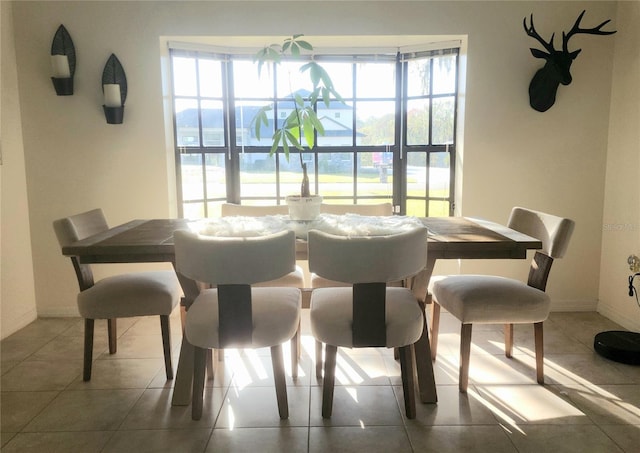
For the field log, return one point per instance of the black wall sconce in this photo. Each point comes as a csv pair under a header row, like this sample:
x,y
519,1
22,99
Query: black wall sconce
x,y
63,62
114,87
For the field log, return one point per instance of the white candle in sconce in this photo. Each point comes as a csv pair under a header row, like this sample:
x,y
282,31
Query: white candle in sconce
x,y
112,95
60,65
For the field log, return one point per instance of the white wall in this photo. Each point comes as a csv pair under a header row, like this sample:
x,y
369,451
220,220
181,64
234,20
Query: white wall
x,y
621,224
553,161
17,293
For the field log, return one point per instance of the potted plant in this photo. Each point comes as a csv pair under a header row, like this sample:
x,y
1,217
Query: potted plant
x,y
302,122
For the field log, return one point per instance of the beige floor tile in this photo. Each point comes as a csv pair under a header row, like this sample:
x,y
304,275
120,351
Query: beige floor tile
x,y
40,375
264,440
15,349
85,410
154,411
140,347
5,438
359,439
562,439
586,369
85,442
120,373
19,408
250,368
625,436
606,404
358,405
159,441
256,407
68,348
476,439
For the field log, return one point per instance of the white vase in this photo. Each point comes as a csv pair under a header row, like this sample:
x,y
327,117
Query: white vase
x,y
304,208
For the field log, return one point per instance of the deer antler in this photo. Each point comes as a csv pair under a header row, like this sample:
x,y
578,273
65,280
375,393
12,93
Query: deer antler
x,y
531,31
589,31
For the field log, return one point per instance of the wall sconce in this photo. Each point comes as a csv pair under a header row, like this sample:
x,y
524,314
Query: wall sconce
x,y
114,87
63,62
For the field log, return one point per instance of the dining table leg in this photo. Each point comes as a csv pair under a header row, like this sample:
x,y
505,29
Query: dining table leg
x,y
424,365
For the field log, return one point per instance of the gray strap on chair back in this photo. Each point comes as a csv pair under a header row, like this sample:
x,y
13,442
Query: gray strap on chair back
x,y
369,320
234,314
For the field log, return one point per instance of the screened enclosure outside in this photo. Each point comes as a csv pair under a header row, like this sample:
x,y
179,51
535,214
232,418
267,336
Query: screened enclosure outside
x,y
392,139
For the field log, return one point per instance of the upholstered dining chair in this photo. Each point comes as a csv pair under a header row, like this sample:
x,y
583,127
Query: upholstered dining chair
x,y
368,313
234,313
487,299
317,281
121,296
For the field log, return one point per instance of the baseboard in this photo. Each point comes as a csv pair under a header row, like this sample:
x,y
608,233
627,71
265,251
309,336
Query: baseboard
x,y
11,326
573,305
618,317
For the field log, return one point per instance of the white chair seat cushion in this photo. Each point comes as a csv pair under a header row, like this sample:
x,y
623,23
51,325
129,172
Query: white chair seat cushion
x,y
332,316
293,279
490,299
131,294
275,314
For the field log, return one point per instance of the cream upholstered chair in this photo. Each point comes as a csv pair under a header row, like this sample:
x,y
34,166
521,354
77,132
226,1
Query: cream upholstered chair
x,y
296,277
234,313
317,281
486,299
121,296
368,313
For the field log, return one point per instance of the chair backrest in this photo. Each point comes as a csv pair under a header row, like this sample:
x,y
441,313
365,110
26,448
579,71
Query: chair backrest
x,y
75,228
366,259
381,209
230,209
554,232
234,260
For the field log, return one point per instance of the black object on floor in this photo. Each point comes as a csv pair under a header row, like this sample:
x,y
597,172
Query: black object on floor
x,y
618,345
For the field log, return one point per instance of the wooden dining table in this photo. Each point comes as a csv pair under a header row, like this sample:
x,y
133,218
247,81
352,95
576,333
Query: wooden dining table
x,y
145,240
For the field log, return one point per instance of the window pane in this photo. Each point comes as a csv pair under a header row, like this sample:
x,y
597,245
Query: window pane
x,y
193,210
257,175
187,128
438,208
247,84
417,174
375,80
375,123
417,208
212,124
215,174
210,78
418,77
375,174
418,122
342,77
439,175
291,80
245,130
192,178
337,121
184,76
444,74
443,120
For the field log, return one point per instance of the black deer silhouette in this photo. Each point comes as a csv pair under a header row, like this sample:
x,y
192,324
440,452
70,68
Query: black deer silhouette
x,y
544,85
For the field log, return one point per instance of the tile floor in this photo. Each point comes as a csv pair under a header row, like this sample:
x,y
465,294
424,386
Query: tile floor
x,y
588,404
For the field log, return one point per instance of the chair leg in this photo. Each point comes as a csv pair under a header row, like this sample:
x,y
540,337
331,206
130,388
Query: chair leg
x,y
318,359
435,328
165,328
112,330
508,340
539,343
295,353
199,359
465,353
277,362
408,386
213,355
329,380
88,348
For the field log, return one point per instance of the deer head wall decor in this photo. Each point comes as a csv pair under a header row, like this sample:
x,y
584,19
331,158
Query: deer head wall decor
x,y
544,85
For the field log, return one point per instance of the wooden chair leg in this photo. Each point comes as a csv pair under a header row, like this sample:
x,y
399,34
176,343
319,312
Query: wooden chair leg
x,y
165,328
329,379
539,344
199,359
465,353
88,348
295,353
408,385
508,340
277,361
213,355
435,328
318,359
112,331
